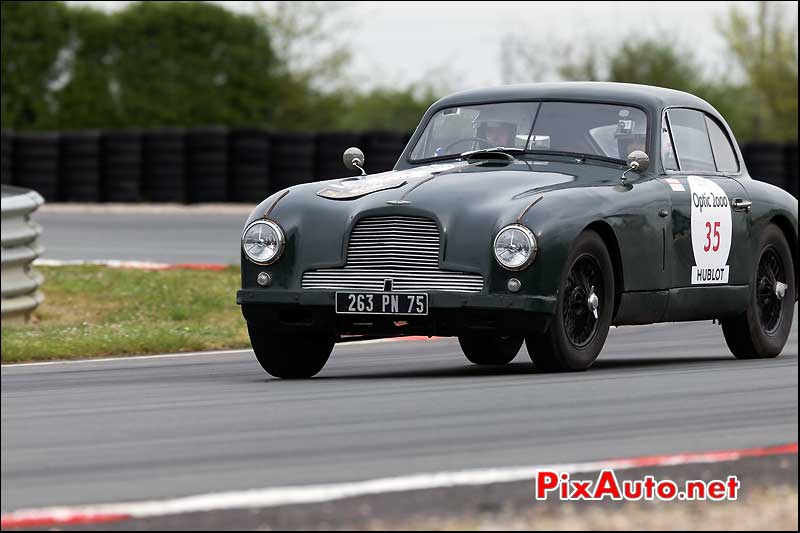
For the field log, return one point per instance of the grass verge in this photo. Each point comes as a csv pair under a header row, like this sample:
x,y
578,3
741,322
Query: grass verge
x,y
92,311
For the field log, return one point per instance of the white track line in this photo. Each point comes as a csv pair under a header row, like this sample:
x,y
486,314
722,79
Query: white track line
x,y
122,358
291,495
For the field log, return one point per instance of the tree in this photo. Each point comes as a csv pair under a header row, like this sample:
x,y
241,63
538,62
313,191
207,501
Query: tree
x,y
32,37
156,64
85,96
188,63
765,47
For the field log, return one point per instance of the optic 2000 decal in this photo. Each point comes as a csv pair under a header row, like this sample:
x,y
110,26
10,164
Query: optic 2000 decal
x,y
711,232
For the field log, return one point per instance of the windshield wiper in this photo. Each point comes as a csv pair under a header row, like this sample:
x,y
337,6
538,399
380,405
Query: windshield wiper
x,y
578,155
497,149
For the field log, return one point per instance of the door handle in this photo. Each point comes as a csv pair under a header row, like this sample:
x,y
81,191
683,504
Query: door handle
x,y
741,204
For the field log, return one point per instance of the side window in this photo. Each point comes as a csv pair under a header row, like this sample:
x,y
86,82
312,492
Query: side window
x,y
691,140
667,151
724,154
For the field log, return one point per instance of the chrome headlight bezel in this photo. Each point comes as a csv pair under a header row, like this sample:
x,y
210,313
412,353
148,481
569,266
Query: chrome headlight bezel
x,y
281,239
532,243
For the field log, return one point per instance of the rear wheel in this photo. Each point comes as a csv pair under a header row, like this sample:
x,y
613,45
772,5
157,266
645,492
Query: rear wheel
x,y
762,331
290,356
482,349
583,313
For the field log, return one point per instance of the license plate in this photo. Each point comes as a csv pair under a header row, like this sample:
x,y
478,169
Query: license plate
x,y
381,303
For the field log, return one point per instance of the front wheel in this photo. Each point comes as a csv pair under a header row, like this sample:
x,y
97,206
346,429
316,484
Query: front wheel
x,y
584,310
290,355
761,331
482,349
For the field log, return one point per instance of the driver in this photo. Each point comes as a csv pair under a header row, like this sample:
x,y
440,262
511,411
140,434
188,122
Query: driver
x,y
630,134
497,125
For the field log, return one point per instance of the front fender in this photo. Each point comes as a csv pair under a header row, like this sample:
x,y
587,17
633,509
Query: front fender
x,y
630,212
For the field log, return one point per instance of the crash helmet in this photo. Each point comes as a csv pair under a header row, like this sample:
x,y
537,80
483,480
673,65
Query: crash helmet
x,y
630,134
497,123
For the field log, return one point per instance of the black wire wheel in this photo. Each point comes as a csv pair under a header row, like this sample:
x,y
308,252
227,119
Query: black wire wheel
x,y
770,290
762,330
579,310
585,308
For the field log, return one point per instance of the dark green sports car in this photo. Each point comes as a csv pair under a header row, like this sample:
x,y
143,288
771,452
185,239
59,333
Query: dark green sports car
x,y
540,213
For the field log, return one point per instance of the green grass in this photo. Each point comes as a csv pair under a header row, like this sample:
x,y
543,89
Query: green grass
x,y
92,311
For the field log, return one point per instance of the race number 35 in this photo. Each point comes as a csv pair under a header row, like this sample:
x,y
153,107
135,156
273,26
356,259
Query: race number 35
x,y
716,236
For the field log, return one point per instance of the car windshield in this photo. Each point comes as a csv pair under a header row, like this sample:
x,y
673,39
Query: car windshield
x,y
604,130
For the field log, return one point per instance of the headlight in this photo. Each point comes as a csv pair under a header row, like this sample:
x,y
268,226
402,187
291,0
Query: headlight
x,y
263,242
515,247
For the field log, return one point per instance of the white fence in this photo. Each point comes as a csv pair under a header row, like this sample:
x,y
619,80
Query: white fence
x,y
20,282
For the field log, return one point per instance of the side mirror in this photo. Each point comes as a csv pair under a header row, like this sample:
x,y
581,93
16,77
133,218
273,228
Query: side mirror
x,y
353,159
638,161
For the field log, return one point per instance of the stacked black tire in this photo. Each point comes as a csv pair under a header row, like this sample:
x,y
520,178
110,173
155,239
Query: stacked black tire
x,y
6,157
79,179
292,159
207,165
36,163
123,165
330,148
381,149
248,170
774,163
215,164
790,164
165,166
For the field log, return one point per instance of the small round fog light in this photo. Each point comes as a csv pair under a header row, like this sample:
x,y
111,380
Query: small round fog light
x,y
264,279
514,285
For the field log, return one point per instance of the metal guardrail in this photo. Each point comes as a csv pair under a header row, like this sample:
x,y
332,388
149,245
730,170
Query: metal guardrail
x,y
19,292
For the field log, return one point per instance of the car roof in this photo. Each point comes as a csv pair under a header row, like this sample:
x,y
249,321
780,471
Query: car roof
x,y
648,96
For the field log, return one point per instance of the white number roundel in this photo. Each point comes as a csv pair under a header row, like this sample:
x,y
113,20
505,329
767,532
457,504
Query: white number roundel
x,y
711,223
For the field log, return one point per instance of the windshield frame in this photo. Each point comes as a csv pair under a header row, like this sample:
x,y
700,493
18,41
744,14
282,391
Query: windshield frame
x,y
433,112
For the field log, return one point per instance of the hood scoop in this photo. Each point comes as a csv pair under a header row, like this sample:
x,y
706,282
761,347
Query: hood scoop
x,y
351,188
490,159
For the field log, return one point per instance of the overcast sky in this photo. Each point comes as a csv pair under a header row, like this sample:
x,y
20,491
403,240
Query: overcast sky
x,y
399,42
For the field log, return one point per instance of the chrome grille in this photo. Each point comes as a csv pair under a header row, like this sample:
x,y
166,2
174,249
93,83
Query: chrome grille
x,y
404,249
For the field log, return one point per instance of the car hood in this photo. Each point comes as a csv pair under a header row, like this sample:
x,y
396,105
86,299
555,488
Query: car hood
x,y
470,202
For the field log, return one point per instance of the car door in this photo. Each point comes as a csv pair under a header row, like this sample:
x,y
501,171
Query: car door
x,y
710,217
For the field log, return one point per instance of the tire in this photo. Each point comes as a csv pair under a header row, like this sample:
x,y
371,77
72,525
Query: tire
x,y
290,356
574,338
761,331
489,349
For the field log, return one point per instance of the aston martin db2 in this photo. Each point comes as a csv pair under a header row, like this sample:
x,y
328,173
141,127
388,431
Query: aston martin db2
x,y
542,214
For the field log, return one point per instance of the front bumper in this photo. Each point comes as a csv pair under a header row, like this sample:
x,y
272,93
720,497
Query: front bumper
x,y
449,313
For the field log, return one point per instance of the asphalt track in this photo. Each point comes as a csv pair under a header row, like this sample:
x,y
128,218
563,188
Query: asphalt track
x,y
108,431
174,236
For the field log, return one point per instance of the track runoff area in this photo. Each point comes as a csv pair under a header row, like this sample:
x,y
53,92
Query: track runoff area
x,y
579,481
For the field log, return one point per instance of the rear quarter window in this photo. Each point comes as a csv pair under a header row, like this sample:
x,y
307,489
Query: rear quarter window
x,y
724,154
690,136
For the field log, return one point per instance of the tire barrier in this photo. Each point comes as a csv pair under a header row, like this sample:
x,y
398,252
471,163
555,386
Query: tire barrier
x,y
330,147
381,149
164,177
79,180
249,177
768,162
292,159
19,290
122,164
791,177
6,160
207,165
35,165
216,164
